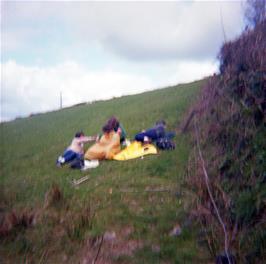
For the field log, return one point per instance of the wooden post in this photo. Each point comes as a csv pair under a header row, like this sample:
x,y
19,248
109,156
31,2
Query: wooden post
x,y
61,101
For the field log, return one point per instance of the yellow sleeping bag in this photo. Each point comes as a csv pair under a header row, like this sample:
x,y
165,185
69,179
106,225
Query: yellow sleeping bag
x,y
135,150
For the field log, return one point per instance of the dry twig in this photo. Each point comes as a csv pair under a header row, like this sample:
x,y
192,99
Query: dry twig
x,y
226,246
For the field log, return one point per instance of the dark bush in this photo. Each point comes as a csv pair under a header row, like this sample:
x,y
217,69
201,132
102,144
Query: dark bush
x,y
231,121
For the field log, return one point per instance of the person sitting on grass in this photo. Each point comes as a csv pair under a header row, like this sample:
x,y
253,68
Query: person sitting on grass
x,y
114,124
75,151
106,146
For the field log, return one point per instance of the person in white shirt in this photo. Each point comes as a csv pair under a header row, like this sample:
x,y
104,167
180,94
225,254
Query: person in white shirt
x,y
75,149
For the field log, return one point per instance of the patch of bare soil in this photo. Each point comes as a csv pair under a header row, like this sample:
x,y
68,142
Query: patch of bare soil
x,y
110,246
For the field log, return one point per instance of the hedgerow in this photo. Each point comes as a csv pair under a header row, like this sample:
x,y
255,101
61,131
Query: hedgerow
x,y
229,126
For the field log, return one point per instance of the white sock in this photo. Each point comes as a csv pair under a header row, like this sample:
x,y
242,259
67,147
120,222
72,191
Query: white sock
x,y
61,159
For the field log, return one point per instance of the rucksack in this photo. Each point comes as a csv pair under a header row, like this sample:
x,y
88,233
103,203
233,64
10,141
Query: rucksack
x,y
165,143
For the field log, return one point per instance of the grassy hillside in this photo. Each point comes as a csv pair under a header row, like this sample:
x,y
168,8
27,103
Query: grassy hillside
x,y
118,197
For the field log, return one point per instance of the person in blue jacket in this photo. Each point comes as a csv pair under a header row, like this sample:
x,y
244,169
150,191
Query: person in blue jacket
x,y
152,134
157,134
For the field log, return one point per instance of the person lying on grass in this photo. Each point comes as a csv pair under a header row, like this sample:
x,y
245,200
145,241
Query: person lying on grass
x,y
75,150
157,134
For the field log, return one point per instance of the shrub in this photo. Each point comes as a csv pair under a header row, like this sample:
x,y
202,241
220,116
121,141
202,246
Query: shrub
x,y
230,117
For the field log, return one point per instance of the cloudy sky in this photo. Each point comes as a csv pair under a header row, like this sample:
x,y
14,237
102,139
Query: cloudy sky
x,y
91,50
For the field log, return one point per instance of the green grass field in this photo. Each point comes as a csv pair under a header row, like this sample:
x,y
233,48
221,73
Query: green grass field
x,y
118,196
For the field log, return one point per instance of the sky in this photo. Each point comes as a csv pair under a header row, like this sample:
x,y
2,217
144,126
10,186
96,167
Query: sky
x,y
94,50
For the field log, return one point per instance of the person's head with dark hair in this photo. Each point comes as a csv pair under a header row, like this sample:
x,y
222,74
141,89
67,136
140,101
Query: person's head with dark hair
x,y
161,122
79,134
107,128
113,123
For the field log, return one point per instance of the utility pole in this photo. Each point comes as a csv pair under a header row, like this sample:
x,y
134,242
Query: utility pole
x,y
61,101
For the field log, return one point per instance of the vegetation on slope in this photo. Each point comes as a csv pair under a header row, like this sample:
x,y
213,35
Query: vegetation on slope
x,y
230,125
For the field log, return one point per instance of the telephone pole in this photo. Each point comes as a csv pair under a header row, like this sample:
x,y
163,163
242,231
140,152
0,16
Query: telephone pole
x,y
61,101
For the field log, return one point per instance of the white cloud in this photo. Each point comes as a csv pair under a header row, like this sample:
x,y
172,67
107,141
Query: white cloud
x,y
96,50
28,90
172,30
193,70
133,30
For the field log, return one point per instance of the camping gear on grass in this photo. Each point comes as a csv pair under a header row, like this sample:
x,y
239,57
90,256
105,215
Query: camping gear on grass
x,y
135,150
90,164
106,148
165,143
83,165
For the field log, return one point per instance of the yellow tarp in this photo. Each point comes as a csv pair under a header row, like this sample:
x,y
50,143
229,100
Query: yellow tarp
x,y
135,150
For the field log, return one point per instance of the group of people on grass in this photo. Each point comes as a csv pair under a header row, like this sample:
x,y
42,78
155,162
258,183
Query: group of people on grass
x,y
109,144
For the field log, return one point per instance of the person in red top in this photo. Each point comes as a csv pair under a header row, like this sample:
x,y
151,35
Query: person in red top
x,y
75,149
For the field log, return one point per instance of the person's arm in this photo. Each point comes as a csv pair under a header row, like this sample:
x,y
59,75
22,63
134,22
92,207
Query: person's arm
x,y
119,131
98,137
123,134
86,139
